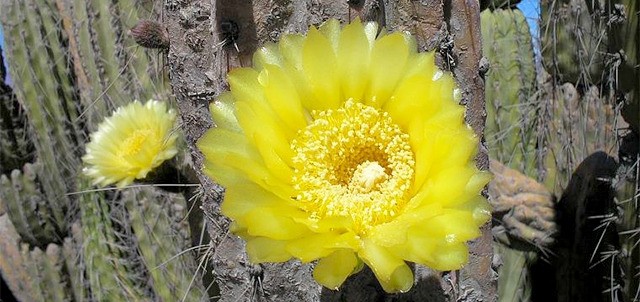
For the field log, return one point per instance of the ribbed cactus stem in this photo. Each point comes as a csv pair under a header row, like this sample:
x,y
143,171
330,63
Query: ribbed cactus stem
x,y
108,277
27,206
110,56
38,94
94,106
154,217
510,134
72,63
13,266
35,277
53,286
72,255
510,129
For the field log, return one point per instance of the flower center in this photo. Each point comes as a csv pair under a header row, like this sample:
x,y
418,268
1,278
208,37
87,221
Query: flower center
x,y
134,142
352,162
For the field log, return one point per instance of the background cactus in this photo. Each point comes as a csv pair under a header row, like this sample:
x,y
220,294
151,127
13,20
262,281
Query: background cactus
x,y
574,39
569,135
72,63
510,135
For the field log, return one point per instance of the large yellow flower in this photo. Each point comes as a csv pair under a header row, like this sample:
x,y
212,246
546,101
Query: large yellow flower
x,y
129,144
347,146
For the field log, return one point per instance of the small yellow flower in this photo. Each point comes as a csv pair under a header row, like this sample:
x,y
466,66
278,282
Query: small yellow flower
x,y
130,143
347,146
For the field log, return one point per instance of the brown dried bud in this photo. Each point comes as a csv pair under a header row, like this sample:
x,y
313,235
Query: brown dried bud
x,y
525,208
150,34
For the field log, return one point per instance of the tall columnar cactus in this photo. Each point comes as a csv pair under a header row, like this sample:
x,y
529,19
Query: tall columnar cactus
x,y
574,39
510,129
16,147
575,116
110,272
72,63
574,126
27,206
154,218
624,36
510,134
545,130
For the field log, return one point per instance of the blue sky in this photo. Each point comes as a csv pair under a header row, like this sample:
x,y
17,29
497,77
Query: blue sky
x,y
531,10
3,52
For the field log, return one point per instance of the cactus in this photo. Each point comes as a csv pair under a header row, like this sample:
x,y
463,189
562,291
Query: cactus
x,y
575,126
574,40
561,125
72,63
510,136
13,267
624,36
509,89
27,206
154,218
110,274
16,148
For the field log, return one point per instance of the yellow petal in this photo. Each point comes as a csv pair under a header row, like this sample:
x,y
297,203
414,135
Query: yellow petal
x,y
451,147
453,225
262,249
415,98
450,256
244,85
269,138
423,150
423,63
390,55
353,60
479,207
478,181
448,184
241,198
395,231
277,163
331,30
319,62
267,55
418,249
390,233
223,112
234,143
235,161
371,31
283,97
274,223
332,270
327,224
481,210
290,47
320,245
392,272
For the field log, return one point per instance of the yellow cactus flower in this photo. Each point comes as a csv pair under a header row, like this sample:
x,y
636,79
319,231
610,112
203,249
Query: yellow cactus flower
x,y
129,144
348,147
